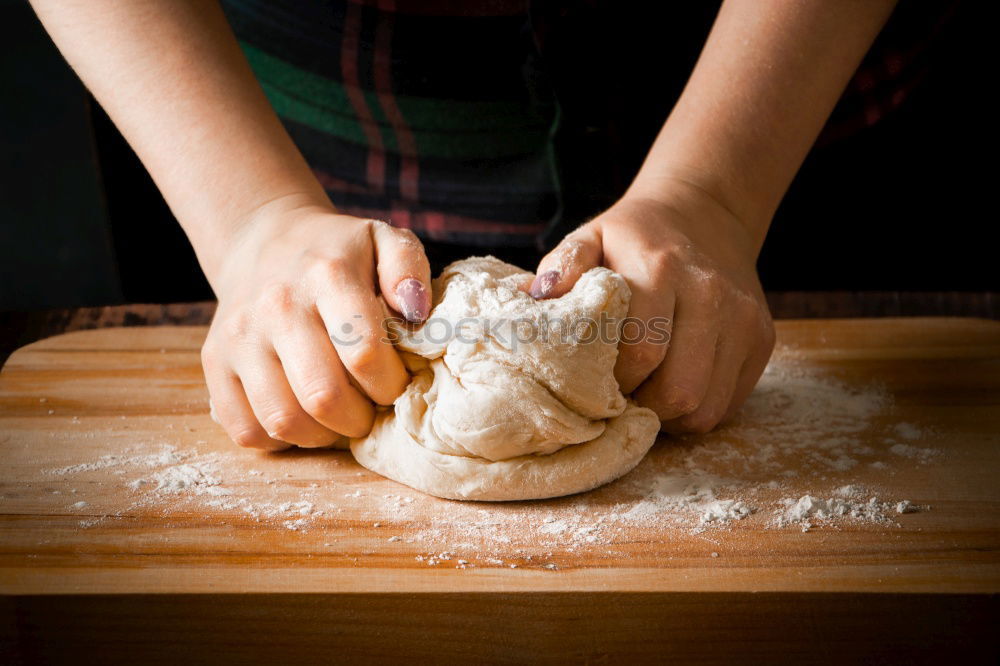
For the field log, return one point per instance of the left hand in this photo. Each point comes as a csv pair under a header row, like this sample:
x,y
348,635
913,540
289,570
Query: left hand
x,y
687,259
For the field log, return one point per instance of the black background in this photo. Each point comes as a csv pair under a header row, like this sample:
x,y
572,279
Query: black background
x,y
904,205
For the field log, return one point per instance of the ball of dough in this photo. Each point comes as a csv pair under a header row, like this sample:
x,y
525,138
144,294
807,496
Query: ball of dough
x,y
511,398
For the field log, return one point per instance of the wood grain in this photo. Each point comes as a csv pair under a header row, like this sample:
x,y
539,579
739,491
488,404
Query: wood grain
x,y
158,579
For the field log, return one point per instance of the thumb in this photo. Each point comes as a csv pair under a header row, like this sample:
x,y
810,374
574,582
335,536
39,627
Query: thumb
x,y
404,275
559,270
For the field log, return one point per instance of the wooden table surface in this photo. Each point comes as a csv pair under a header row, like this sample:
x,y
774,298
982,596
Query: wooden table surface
x,y
305,554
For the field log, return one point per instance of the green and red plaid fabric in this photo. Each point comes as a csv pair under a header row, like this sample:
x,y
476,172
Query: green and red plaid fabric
x,y
504,123
416,112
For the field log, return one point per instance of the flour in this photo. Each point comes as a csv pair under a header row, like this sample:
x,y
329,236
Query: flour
x,y
807,511
908,431
683,496
167,455
721,511
197,478
922,455
552,526
791,460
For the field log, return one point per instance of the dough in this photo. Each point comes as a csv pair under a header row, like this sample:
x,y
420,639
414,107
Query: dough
x,y
503,407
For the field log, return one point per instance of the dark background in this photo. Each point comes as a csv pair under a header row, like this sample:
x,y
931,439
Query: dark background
x,y
904,205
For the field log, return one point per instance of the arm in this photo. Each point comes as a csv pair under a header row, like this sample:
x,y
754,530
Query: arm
x,y
768,78
173,78
687,233
286,267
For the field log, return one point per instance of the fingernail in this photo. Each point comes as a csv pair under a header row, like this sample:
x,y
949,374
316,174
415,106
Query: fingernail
x,y
543,284
414,299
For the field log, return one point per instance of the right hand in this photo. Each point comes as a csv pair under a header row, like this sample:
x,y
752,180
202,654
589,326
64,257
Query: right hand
x,y
297,352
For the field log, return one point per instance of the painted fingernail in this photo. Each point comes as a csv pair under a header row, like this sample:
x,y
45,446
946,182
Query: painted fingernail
x,y
413,299
543,284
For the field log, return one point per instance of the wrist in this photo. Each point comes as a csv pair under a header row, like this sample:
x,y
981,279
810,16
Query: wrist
x,y
224,245
675,184
694,218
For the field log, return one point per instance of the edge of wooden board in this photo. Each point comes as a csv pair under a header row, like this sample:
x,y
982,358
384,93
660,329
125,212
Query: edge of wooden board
x,y
983,578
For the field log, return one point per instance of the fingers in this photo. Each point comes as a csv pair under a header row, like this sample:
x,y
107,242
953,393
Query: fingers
x,y
231,409
319,381
678,386
713,406
274,403
354,319
708,371
559,270
650,315
300,340
404,275
753,367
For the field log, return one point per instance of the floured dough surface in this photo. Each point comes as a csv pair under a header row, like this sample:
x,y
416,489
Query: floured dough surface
x,y
502,406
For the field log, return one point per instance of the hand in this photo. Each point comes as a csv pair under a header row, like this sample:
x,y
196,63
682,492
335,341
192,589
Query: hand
x,y
297,352
688,259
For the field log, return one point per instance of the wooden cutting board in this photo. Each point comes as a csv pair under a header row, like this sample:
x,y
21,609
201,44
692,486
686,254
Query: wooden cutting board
x,y
131,528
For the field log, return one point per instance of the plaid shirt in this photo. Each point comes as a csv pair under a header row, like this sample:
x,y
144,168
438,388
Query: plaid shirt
x,y
505,123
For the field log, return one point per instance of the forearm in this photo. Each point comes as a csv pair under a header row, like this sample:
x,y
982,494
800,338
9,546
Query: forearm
x,y
767,79
172,77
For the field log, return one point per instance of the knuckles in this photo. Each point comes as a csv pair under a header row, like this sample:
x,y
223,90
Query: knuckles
x,y
405,235
681,411
277,298
323,402
663,255
673,402
284,426
210,358
234,326
363,354
643,358
701,421
323,271
716,290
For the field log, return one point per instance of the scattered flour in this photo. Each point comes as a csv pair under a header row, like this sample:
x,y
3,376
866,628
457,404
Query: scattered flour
x,y
920,454
807,511
789,457
724,511
908,431
167,455
194,477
